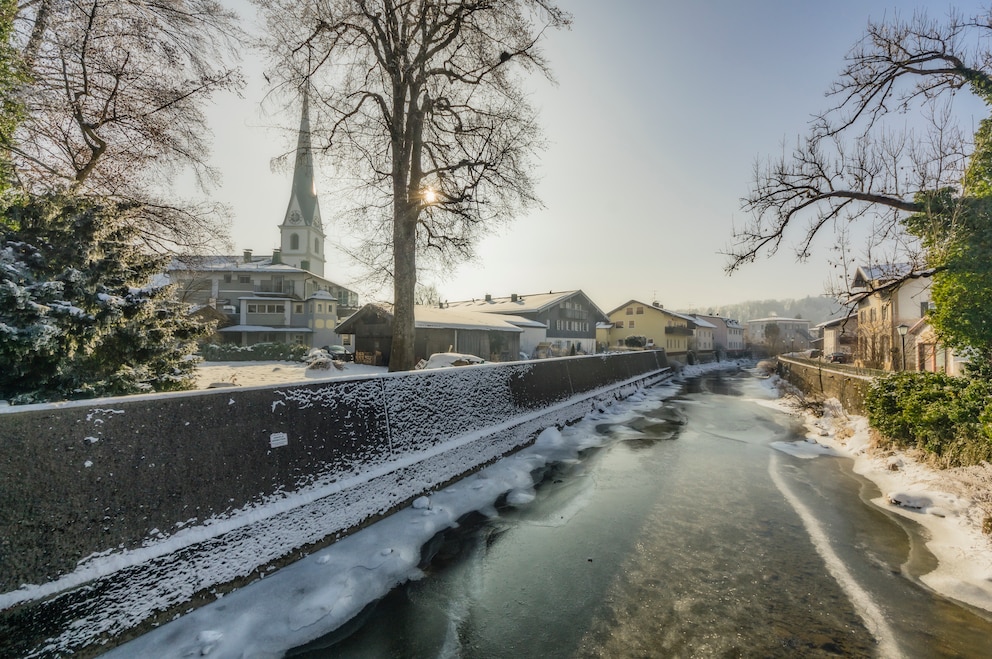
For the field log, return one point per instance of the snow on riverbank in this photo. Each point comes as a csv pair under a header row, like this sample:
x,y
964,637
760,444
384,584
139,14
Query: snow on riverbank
x,y
952,504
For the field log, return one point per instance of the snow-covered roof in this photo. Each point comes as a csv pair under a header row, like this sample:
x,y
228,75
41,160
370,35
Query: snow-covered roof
x,y
230,264
702,322
322,295
263,328
730,323
520,321
779,319
431,317
515,304
881,273
836,321
268,297
434,317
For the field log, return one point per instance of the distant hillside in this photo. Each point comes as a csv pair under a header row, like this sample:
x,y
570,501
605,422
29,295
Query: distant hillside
x,y
814,309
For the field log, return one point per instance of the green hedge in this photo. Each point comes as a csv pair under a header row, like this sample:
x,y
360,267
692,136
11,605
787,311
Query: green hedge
x,y
228,352
950,417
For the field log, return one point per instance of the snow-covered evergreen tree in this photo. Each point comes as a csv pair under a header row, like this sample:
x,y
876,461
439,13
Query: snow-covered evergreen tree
x,y
80,315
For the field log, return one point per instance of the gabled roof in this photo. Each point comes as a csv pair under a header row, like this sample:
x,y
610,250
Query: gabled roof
x,y
517,304
730,323
238,264
230,264
877,275
322,295
837,321
654,307
430,317
702,322
779,319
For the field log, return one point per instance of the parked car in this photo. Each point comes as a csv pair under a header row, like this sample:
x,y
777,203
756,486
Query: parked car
x,y
340,353
839,358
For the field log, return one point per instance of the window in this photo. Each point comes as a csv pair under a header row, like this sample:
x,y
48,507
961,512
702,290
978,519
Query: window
x,y
619,324
244,279
630,311
640,311
346,340
320,308
294,241
298,308
227,278
316,245
630,324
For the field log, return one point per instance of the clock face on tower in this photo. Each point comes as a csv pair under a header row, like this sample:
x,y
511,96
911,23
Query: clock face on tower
x,y
295,217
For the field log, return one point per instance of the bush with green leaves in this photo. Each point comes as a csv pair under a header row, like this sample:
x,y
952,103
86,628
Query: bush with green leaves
x,y
229,352
635,341
947,416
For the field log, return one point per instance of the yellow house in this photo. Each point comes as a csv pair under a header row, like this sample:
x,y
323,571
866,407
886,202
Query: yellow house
x,y
662,328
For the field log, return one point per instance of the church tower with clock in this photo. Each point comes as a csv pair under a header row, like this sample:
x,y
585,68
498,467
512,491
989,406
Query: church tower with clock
x,y
301,231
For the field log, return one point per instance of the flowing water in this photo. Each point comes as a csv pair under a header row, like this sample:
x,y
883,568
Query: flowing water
x,y
687,536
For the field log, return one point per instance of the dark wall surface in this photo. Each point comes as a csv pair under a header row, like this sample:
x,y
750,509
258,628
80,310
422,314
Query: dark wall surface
x,y
827,381
109,475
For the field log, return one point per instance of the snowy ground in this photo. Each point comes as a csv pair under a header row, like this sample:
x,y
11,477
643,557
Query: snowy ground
x,y
952,504
248,374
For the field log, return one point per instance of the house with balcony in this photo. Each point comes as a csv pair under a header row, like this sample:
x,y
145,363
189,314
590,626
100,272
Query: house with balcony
x,y
702,337
665,329
283,297
570,319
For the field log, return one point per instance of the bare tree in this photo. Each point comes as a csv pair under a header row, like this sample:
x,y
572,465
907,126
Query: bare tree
x,y
888,142
114,104
422,102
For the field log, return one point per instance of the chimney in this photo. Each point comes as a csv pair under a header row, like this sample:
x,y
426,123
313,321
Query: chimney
x,y
489,298
657,304
513,297
247,256
276,256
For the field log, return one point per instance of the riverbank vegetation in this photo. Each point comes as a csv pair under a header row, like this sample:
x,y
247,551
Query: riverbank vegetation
x,y
949,418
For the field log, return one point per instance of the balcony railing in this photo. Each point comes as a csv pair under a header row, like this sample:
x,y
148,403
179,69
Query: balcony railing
x,y
678,330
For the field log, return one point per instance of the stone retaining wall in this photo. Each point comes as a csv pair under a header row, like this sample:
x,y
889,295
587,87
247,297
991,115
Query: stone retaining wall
x,y
127,503
827,381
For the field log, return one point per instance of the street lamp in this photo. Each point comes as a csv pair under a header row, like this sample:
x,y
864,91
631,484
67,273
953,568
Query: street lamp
x,y
902,329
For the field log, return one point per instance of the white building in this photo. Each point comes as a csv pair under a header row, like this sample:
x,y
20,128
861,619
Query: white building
x,y
284,297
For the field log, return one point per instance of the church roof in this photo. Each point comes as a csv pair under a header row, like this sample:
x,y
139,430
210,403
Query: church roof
x,y
303,196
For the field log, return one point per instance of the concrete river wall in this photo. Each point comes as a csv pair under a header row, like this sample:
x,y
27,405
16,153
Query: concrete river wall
x,y
119,513
844,383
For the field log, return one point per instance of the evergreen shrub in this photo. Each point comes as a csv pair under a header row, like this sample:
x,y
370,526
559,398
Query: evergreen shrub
x,y
229,352
950,417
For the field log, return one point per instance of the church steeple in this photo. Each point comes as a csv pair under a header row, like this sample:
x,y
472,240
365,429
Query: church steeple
x,y
302,231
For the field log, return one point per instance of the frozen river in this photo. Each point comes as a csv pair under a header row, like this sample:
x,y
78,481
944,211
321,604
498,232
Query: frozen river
x,y
688,536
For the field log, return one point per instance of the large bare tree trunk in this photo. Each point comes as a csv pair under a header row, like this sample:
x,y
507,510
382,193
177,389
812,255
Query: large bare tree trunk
x,y
402,356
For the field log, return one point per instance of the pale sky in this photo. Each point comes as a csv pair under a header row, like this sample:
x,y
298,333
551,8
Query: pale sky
x,y
660,111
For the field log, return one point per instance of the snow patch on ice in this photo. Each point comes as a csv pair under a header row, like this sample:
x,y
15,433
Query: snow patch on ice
x,y
945,502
